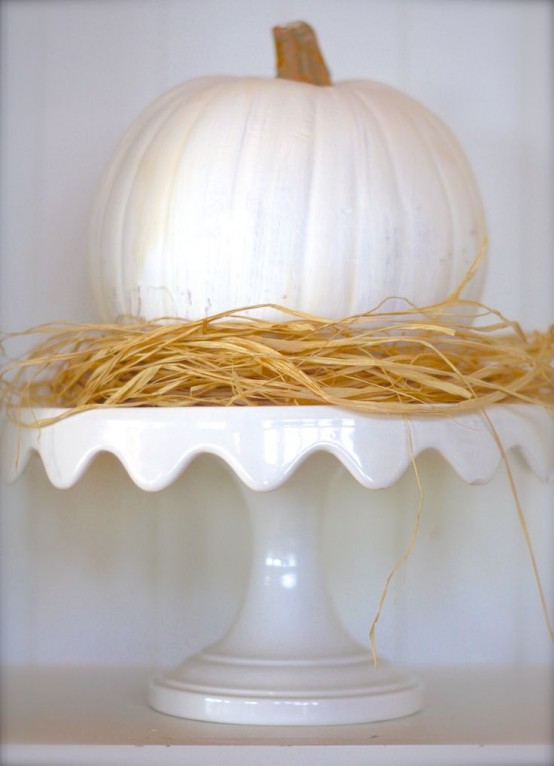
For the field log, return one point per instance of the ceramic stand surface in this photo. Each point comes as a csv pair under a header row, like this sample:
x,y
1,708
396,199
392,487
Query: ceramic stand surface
x,y
286,659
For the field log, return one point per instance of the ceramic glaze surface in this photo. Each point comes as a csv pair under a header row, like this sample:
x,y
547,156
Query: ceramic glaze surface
x,y
265,445
228,192
286,659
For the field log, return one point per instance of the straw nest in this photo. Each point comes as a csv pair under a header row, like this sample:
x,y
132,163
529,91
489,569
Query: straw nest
x,y
414,361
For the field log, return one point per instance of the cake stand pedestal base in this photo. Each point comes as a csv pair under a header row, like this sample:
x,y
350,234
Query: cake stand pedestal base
x,y
287,659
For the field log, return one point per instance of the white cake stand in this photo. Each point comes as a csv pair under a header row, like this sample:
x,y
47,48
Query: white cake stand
x,y
286,659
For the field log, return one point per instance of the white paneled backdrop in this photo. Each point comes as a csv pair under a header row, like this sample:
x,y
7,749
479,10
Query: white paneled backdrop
x,y
104,573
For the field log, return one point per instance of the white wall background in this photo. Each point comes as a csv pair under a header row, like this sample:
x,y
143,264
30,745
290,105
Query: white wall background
x,y
103,573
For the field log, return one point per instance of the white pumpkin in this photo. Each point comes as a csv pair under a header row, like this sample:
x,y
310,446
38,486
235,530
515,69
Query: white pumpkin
x,y
229,192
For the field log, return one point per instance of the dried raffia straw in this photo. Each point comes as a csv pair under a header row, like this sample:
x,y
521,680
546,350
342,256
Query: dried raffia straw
x,y
458,353
407,553
386,363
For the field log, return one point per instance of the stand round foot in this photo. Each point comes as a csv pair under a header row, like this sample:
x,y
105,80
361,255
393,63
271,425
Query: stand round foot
x,y
349,690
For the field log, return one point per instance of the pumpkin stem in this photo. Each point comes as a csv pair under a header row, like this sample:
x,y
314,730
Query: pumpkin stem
x,y
298,55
